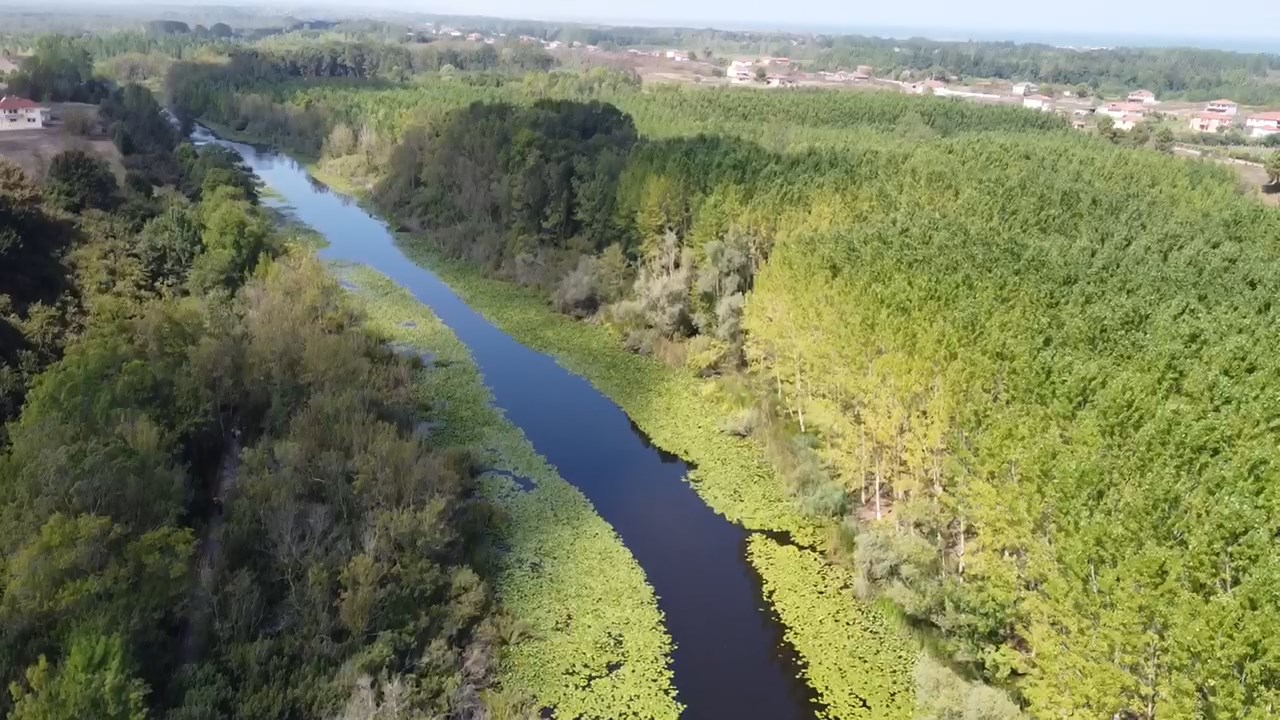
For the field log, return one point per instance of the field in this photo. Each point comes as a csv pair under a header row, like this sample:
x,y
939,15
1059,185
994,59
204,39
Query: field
x,y
33,149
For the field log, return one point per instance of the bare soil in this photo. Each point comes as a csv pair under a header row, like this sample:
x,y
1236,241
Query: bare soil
x,y
33,149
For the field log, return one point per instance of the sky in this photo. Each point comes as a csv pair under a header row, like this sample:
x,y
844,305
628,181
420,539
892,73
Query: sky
x,y
1061,22
986,18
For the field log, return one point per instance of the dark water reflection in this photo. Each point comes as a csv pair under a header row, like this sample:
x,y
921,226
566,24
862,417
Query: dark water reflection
x,y
730,660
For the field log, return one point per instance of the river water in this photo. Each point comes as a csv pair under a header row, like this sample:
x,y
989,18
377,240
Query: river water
x,y
730,660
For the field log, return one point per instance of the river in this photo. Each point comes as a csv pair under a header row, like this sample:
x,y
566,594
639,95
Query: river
x,y
730,659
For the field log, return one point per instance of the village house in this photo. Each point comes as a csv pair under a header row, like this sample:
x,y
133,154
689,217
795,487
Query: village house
x,y
1144,97
1117,110
779,81
1025,88
1210,122
741,71
928,87
1128,121
21,114
1263,124
865,71
677,55
1225,107
474,37
1043,103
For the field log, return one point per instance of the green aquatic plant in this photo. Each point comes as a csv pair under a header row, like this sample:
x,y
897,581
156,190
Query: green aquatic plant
x,y
861,666
590,642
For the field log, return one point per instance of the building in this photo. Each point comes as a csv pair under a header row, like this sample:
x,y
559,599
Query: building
x,y
1144,97
474,37
21,114
779,81
865,70
1210,122
1043,103
677,55
1025,88
1263,124
1117,110
1225,107
928,87
1128,121
741,71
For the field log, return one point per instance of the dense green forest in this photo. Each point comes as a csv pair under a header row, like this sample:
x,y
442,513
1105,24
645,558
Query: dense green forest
x,y
1025,373
213,502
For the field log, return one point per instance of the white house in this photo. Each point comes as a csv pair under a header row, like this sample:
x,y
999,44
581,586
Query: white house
x,y
1117,110
1263,124
1042,103
1025,88
1127,121
741,71
21,114
1210,122
1226,107
1145,97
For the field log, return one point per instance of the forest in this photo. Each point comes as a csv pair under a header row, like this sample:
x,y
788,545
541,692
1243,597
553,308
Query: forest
x,y
1022,374
213,502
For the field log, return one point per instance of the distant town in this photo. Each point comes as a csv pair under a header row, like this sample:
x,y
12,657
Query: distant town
x,y
1140,107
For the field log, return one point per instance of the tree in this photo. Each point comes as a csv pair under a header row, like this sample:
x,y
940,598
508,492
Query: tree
x,y
761,74
1107,128
80,180
1082,91
234,234
93,681
1163,140
1273,167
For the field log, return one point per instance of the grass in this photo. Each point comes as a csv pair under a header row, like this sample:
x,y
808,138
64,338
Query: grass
x,y
860,664
594,645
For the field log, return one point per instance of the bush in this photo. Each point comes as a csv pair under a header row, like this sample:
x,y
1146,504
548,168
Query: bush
x,y
78,122
578,293
80,180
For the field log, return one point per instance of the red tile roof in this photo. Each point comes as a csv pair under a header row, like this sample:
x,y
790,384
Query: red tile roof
x,y
1273,116
13,102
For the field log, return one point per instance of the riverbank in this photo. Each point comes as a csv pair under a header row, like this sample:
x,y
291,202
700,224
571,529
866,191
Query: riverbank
x,y
590,640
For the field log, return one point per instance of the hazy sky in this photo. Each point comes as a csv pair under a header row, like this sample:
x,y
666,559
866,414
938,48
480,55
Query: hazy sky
x,y
1182,18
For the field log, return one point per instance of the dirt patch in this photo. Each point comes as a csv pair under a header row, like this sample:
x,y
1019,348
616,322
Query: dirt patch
x,y
33,149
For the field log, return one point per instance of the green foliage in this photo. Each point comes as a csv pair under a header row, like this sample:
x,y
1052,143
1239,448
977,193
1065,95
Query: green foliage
x,y
135,122
59,69
93,681
79,180
588,639
1273,167
234,236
